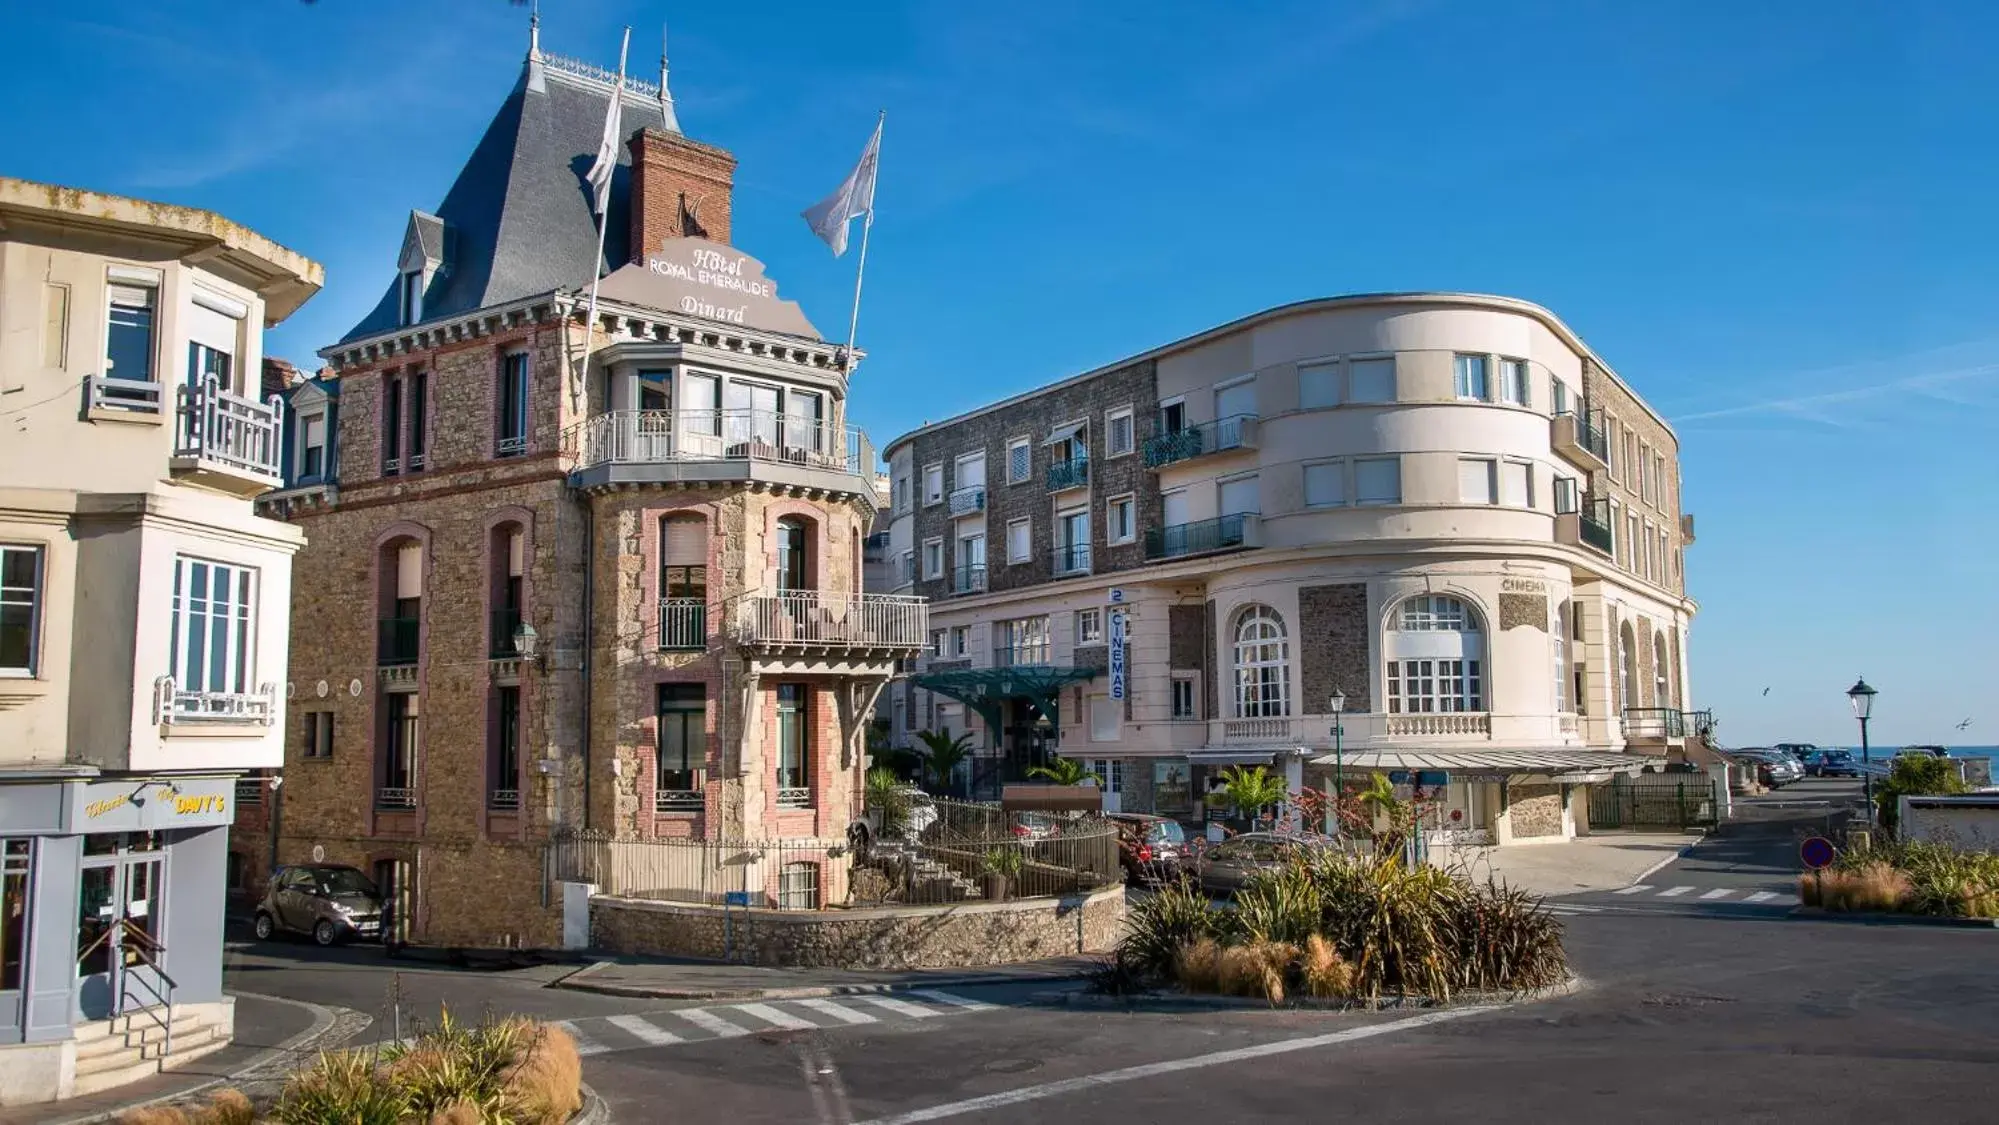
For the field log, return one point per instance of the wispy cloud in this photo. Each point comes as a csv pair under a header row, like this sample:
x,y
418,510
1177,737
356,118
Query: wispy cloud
x,y
1852,406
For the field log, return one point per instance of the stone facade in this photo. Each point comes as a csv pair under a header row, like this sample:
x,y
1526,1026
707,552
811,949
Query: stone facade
x,y
1534,810
910,937
1332,643
1523,611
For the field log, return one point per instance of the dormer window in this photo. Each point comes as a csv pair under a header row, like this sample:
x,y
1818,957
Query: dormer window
x,y
312,446
412,296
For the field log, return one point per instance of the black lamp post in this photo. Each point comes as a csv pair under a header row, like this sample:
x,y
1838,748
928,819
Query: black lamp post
x,y
1337,705
1862,698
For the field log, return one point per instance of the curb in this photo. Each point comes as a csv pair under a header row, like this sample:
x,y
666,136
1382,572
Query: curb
x,y
1879,918
1168,1001
798,992
1671,859
594,1111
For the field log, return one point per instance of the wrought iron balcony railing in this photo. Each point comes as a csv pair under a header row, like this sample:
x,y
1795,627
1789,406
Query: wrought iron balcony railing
x,y
810,619
1065,475
683,624
1238,431
643,436
1220,534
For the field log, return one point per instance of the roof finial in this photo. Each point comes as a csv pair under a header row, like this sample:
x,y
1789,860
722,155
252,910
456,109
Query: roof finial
x,y
665,95
534,31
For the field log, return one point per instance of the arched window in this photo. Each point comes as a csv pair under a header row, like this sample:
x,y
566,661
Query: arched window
x,y
1563,703
794,571
1662,680
1262,665
1435,648
1627,666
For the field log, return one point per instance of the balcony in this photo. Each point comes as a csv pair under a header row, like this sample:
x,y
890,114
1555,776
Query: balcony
x,y
683,624
503,622
395,798
105,398
969,579
1022,655
1203,536
1660,726
1070,558
396,641
967,501
1237,431
1065,475
503,800
1238,732
1593,524
794,797
680,792
807,619
1581,439
226,442
174,705
710,446
1474,723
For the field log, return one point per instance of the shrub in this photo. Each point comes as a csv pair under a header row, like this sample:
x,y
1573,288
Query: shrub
x,y
340,1088
1256,969
1281,904
1158,926
226,1107
1914,775
547,1084
1507,939
497,1072
1198,965
1326,975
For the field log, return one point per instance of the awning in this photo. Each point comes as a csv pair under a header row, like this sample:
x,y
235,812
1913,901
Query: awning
x,y
985,689
1572,766
1244,756
1061,434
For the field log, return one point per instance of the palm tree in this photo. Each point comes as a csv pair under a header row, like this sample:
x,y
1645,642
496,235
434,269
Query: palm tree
x,y
942,754
1251,789
1061,771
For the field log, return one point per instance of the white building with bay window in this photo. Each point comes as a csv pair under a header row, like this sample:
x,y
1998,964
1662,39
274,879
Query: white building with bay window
x,y
144,619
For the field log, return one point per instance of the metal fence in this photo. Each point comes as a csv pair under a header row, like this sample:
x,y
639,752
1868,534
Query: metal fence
x,y
782,874
1653,800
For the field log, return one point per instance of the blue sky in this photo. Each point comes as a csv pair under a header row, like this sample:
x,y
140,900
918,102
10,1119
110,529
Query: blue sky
x,y
1774,219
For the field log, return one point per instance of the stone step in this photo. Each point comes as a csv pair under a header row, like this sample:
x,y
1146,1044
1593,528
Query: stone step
x,y
93,1040
91,1081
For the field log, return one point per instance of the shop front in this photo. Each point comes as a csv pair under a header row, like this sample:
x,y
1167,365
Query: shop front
x,y
112,891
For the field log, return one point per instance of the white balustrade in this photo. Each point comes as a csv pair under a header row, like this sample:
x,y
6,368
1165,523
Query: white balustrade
x,y
228,429
812,619
656,436
1444,723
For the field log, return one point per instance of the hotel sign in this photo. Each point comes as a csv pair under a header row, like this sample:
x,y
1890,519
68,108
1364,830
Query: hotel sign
x,y
711,280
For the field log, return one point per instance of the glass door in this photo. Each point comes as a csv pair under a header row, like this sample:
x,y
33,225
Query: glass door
x,y
119,924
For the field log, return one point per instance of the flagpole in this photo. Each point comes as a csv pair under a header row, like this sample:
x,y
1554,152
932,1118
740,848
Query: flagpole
x,y
867,224
596,264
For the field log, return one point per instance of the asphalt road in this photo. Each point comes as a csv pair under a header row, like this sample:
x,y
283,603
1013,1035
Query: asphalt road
x,y
1691,1011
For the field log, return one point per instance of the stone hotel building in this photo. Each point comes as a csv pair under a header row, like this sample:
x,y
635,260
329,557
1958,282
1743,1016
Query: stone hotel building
x,y
1442,508
566,575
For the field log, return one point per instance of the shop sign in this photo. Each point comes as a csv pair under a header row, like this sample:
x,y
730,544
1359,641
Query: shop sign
x,y
125,806
1117,655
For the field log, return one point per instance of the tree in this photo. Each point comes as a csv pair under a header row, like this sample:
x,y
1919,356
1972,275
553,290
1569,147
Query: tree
x,y
941,755
1061,771
1914,775
1251,789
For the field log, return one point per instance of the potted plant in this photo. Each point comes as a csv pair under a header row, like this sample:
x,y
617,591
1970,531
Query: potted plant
x,y
1002,868
1251,789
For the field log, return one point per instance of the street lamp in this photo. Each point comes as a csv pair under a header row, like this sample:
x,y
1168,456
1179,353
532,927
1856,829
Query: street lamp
x,y
1337,706
1862,698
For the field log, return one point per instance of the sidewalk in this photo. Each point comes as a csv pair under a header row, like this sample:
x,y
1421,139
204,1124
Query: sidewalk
x,y
268,1031
712,980
1587,863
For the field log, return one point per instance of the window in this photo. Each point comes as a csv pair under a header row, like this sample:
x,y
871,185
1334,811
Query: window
x,y
969,472
503,782
933,483
1072,541
1023,640
1662,681
961,640
1560,638
933,558
312,446
1120,523
1172,416
1560,392
1567,501
210,640
701,412
1318,385
1019,540
1184,694
798,886
1516,484
1627,665
13,912
794,557
1371,380
513,403
1645,472
900,496
1236,399
794,746
971,562
1109,772
398,790
411,302
1475,480
1472,380
681,740
1105,716
1089,626
1325,485
1436,657
1513,382
1118,434
318,734
419,411
1613,462
1239,497
1634,547
938,640
1262,665
1377,480
20,608
1019,460
128,351
392,426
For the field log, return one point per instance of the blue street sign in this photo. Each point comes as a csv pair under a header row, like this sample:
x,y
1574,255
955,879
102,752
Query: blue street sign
x,y
735,898
1117,655
1817,852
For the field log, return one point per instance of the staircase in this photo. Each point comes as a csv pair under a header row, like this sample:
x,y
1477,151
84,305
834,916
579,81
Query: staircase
x,y
129,1047
928,881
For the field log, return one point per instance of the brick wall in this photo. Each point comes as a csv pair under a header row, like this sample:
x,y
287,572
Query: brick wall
x,y
680,187
1333,645
1622,410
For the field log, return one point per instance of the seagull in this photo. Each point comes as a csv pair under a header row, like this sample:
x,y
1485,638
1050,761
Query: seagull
x,y
1766,691
1964,724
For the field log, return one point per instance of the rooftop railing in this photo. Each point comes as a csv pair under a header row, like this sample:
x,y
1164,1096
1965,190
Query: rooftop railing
x,y
657,436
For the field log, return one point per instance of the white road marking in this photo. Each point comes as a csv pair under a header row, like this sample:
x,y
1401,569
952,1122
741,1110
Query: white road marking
x,y
650,1034
1761,896
1636,888
953,1001
1152,1070
711,1023
1719,892
1675,892
771,1015
902,1007
838,1011
584,1044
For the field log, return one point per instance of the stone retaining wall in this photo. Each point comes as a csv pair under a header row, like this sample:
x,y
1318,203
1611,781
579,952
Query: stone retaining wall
x,y
902,937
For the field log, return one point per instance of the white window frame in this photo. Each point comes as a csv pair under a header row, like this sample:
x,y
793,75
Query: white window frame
x,y
1486,467
1461,376
1260,694
1425,673
1112,710
35,596
1527,468
195,688
1027,473
1026,554
1129,502
1516,375
149,280
304,421
940,642
1353,381
1335,386
1341,479
1227,385
1111,419
1558,397
933,471
1189,685
933,558
961,639
1089,627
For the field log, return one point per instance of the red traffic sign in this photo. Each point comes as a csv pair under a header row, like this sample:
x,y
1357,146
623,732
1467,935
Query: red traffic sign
x,y
1817,852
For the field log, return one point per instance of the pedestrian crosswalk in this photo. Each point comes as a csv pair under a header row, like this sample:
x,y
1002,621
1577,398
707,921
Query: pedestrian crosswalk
x,y
1713,894
596,1035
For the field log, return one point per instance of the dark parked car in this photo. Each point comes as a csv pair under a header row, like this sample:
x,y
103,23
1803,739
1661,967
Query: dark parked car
x,y
1223,868
1153,849
328,901
1832,763
1799,751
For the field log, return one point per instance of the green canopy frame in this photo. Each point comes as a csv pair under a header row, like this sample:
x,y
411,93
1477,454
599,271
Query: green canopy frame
x,y
984,690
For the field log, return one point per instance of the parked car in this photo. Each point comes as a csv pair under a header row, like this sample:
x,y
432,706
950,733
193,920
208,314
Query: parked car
x,y
331,902
1153,849
1833,763
1923,751
1774,768
1798,751
1223,868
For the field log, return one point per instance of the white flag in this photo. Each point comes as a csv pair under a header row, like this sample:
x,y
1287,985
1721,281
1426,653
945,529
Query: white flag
x,y
854,198
607,149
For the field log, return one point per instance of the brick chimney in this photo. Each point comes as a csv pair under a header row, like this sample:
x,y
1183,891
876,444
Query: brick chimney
x,y
680,188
